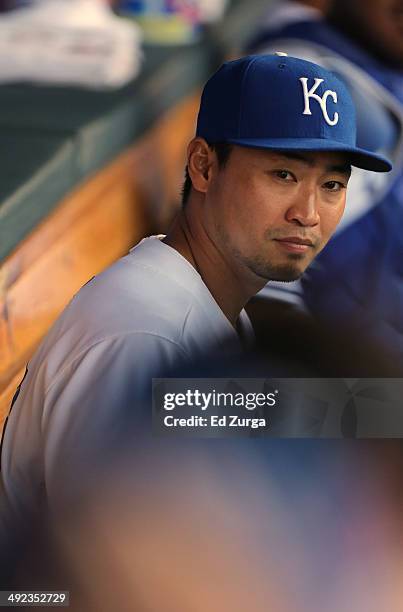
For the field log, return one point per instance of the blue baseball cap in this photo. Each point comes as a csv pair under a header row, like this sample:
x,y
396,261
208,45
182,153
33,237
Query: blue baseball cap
x,y
278,102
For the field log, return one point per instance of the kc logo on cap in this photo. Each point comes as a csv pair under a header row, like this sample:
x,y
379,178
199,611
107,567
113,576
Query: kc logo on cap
x,y
321,100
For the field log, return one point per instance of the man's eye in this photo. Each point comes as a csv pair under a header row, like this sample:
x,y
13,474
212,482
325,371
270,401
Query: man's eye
x,y
284,175
334,186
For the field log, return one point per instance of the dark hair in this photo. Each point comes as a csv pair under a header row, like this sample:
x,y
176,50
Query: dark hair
x,y
222,150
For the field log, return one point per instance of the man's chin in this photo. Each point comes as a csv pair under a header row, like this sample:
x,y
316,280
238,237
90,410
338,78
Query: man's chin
x,y
285,274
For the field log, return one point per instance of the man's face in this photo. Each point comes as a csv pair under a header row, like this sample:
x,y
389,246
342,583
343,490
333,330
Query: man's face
x,y
378,23
273,212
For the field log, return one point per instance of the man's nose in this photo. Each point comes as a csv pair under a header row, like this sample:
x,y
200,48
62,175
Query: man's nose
x,y
304,210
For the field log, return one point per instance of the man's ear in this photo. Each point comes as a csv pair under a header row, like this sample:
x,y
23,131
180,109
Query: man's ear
x,y
200,164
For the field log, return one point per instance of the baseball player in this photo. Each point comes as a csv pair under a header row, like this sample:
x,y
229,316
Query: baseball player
x,y
267,178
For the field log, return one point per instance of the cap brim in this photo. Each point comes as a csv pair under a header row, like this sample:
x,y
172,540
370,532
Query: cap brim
x,y
359,158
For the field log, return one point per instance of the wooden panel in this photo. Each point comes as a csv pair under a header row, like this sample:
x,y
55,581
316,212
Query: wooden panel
x,y
135,195
7,396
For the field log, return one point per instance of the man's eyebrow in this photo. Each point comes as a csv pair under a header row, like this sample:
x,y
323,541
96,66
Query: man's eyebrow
x,y
298,157
343,168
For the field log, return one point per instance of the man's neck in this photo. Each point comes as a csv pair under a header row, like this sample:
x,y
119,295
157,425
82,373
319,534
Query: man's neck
x,y
229,284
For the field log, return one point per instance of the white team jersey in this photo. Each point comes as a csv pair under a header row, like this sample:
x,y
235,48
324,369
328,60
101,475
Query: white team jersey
x,y
146,313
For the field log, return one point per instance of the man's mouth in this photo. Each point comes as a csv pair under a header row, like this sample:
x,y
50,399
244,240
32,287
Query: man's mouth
x,y
294,244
